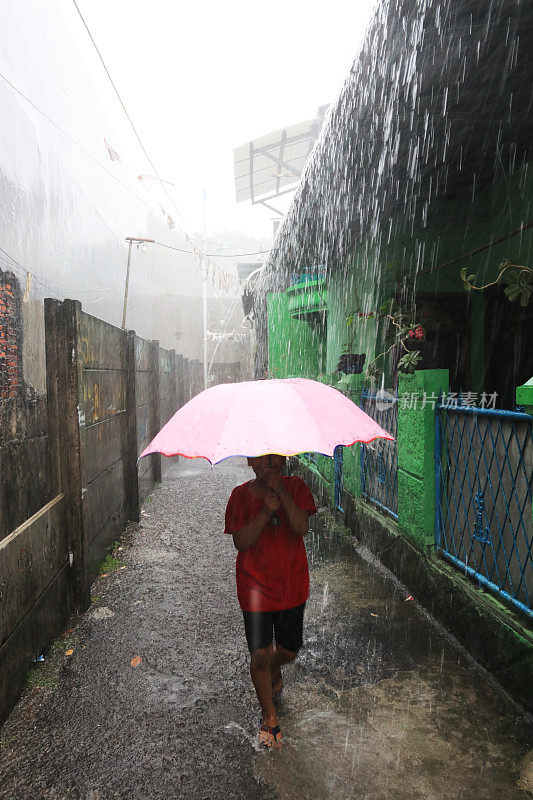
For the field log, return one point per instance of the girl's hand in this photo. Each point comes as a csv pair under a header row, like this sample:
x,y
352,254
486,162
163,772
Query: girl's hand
x,y
272,502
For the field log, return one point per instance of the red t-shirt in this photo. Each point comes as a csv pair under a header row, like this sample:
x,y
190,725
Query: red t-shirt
x,y
272,574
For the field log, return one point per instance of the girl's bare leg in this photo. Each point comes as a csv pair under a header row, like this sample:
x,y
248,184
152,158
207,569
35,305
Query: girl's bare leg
x,y
281,656
261,674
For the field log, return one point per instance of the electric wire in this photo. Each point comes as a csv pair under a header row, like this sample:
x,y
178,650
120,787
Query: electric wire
x,y
141,145
128,117
76,143
50,284
121,183
11,263
145,152
214,255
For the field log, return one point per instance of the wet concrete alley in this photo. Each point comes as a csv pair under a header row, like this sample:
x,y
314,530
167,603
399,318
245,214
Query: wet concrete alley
x,y
380,704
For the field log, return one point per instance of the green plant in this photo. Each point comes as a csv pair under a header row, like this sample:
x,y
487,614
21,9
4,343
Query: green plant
x,y
41,679
373,371
45,675
409,361
401,329
518,280
111,564
351,321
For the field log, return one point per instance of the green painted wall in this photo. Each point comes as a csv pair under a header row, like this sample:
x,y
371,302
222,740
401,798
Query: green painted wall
x,y
295,348
352,291
416,448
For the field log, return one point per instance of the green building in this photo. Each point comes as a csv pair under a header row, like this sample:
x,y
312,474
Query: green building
x,y
417,195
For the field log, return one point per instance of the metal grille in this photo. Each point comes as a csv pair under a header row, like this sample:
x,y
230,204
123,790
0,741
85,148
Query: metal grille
x,y
483,514
379,459
338,457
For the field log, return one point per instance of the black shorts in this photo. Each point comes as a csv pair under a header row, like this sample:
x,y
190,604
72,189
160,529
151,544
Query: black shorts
x,y
287,626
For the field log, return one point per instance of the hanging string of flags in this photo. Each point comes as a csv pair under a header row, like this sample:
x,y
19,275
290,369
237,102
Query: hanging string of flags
x,y
218,277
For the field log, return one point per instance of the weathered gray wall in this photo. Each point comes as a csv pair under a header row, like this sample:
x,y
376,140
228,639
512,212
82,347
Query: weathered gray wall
x,y
145,424
103,434
24,475
34,594
73,480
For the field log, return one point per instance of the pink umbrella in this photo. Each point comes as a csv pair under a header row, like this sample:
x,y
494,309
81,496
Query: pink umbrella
x,y
253,418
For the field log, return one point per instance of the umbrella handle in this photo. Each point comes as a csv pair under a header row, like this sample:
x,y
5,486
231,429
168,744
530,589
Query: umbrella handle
x,y
275,520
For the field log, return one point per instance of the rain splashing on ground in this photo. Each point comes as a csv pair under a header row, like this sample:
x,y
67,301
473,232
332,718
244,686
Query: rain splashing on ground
x,y
380,703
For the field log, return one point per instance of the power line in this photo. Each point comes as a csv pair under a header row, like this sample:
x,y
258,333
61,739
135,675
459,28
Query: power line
x,y
214,255
497,240
8,261
239,255
145,152
199,250
74,142
116,91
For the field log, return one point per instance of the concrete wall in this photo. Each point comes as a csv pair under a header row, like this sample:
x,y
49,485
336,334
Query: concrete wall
x,y
103,428
24,474
35,597
67,496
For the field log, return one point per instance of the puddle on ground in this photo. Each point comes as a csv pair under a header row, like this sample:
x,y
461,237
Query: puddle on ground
x,y
380,704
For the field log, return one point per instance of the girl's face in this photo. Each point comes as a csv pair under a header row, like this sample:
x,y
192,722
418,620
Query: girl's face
x,y
263,466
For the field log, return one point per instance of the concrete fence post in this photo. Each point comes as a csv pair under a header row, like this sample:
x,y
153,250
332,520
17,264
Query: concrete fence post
x,y
184,392
352,386
417,395
54,386
524,396
173,383
180,381
62,367
155,405
132,474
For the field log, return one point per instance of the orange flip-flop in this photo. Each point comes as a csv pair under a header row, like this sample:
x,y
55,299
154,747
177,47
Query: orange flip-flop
x,y
269,737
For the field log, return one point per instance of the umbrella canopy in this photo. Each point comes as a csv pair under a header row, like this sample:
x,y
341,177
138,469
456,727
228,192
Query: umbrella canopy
x,y
253,418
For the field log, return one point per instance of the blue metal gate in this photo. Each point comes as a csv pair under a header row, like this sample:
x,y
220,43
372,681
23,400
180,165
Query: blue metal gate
x,y
338,457
379,459
483,484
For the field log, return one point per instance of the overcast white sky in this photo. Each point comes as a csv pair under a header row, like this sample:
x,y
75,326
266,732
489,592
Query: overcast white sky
x,y
200,78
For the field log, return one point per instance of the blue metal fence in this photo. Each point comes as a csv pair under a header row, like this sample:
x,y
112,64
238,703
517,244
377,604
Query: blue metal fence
x,y
483,484
379,459
338,457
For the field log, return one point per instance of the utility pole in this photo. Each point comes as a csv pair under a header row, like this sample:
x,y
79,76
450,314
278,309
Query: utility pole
x,y
130,239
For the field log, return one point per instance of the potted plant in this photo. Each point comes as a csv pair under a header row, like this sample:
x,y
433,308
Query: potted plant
x,y
351,363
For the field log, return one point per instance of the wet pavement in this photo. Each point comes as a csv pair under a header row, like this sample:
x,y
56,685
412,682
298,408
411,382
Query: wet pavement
x,y
380,704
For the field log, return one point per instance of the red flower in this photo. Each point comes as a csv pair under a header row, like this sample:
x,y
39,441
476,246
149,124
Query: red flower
x,y
417,333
